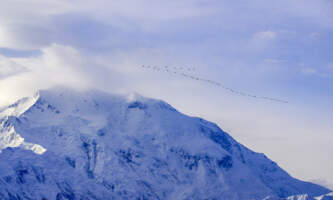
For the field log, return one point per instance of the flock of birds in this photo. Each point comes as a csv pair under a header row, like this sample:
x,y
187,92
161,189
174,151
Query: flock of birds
x,y
184,71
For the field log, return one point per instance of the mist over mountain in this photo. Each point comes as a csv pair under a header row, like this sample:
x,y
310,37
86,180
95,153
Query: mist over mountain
x,y
65,144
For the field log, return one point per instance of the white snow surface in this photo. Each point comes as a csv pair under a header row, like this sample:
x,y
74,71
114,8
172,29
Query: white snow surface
x,y
65,144
8,136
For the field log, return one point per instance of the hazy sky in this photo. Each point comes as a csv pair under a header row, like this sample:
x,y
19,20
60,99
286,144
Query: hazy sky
x,y
282,49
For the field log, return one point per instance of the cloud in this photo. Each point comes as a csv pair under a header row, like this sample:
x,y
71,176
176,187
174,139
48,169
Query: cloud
x,y
147,10
57,65
309,71
24,37
324,71
265,35
36,24
24,25
8,68
65,65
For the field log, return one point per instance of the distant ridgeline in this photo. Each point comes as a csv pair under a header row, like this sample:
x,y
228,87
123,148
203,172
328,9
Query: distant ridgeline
x,y
184,71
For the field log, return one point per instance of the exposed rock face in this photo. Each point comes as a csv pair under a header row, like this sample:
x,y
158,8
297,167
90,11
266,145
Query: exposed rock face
x,y
63,144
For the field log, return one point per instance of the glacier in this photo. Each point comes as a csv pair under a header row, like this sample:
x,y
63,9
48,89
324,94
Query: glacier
x,y
66,144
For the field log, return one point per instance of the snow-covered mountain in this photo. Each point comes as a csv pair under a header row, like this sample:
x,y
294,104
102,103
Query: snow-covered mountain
x,y
64,144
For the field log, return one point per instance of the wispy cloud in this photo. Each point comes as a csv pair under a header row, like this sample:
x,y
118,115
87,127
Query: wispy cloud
x,y
265,35
309,71
325,71
8,67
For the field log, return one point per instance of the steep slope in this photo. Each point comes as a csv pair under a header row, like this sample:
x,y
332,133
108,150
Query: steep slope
x,y
63,144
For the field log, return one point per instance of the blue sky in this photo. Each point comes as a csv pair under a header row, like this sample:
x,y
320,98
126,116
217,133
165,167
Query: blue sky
x,y
281,49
